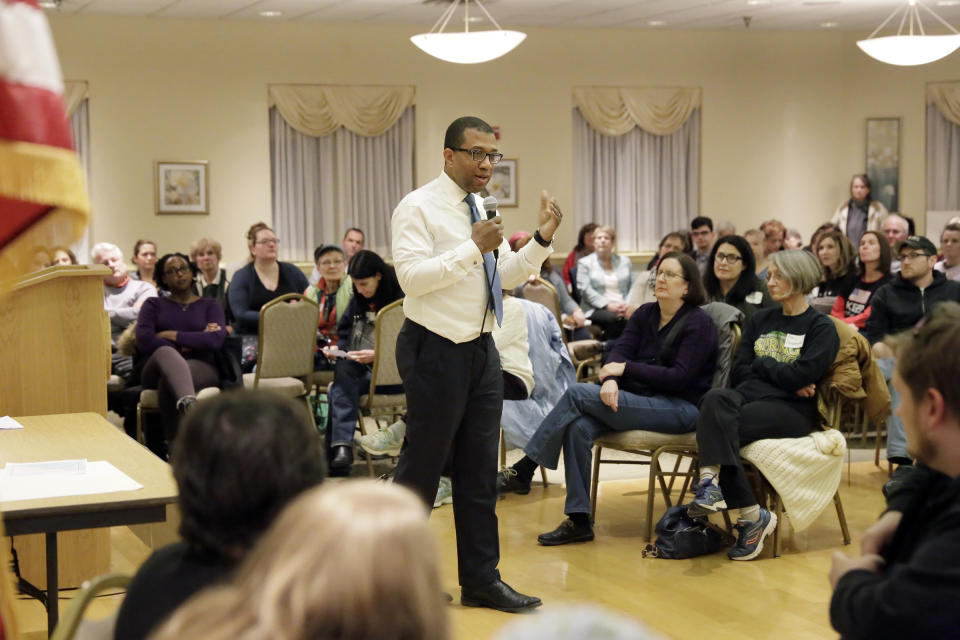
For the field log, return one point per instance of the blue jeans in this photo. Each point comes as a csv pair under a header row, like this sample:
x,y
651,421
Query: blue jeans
x,y
350,380
896,436
580,417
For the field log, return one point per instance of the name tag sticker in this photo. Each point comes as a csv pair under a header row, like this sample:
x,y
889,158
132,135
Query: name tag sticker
x,y
754,298
859,295
794,341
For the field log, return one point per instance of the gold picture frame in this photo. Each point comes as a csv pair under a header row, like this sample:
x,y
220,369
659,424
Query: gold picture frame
x,y
182,187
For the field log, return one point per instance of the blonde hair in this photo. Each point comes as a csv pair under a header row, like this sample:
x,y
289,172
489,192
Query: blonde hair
x,y
607,229
351,561
207,243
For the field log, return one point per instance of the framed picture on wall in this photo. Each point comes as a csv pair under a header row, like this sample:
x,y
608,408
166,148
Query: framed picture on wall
x,y
883,160
503,183
182,187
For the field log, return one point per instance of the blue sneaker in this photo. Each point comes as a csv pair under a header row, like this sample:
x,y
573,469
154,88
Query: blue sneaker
x,y
709,499
751,535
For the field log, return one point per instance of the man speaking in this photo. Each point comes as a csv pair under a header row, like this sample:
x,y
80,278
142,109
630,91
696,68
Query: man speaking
x,y
443,249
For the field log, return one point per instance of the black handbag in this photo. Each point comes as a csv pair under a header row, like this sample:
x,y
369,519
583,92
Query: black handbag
x,y
680,536
227,361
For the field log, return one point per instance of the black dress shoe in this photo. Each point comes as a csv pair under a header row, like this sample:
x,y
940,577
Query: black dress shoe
x,y
508,481
568,531
497,595
342,461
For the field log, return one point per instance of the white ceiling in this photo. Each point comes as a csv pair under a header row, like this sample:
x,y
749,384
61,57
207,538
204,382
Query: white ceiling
x,y
851,15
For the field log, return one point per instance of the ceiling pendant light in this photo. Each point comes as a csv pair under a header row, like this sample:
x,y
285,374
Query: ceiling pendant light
x,y
467,47
911,48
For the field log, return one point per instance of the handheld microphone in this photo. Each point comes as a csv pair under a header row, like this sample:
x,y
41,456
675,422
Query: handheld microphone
x,y
490,206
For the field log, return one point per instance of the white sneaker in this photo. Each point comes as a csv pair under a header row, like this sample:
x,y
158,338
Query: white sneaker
x,y
385,442
444,493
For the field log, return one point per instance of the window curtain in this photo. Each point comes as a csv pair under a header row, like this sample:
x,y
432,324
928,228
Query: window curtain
x,y
77,103
637,161
943,147
340,157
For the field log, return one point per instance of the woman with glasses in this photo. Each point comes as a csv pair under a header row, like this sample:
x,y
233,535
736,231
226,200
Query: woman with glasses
x,y
332,292
732,278
853,301
263,279
660,367
782,355
178,334
603,281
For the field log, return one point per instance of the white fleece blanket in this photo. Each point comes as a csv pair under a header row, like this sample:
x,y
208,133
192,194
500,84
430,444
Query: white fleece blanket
x,y
804,471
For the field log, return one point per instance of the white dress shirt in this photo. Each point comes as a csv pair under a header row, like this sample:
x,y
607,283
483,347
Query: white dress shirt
x,y
440,267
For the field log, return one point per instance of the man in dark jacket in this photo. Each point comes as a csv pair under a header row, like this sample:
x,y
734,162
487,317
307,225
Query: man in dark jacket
x,y
907,581
898,306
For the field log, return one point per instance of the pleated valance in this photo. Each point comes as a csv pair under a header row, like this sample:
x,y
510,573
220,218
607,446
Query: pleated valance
x,y
613,111
946,96
319,110
74,92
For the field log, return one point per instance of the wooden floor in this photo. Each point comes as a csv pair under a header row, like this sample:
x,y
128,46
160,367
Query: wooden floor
x,y
766,598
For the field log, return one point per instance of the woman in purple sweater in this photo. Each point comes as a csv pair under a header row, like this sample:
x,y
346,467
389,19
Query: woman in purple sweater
x,y
178,333
654,377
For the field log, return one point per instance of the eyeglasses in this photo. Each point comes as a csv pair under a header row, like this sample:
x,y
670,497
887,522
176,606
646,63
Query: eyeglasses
x,y
729,258
479,154
268,241
171,271
701,233
912,256
331,263
670,275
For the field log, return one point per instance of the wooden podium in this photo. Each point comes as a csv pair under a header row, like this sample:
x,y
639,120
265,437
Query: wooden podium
x,y
55,358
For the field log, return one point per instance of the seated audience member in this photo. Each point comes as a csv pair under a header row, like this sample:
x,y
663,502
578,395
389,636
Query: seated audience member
x,y
784,352
178,335
306,581
726,228
774,234
332,291
758,245
896,229
584,247
853,302
572,315
353,241
950,248
374,287
212,280
703,237
654,377
794,240
815,238
62,256
239,459
603,280
861,212
643,288
145,259
839,271
263,279
732,278
122,298
907,580
899,306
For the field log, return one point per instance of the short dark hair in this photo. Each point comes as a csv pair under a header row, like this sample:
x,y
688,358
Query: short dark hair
x,y
367,264
701,221
928,357
885,257
746,283
325,249
158,270
238,459
691,273
454,136
360,231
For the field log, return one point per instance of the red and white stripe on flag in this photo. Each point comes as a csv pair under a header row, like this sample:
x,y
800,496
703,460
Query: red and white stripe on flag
x,y
43,196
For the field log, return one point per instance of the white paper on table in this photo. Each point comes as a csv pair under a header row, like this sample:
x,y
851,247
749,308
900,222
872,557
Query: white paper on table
x,y
48,468
6,422
100,477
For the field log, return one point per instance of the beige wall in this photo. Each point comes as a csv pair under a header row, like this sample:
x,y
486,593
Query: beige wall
x,y
783,113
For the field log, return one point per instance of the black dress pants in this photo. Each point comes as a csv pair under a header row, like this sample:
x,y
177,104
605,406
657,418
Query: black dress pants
x,y
454,400
728,422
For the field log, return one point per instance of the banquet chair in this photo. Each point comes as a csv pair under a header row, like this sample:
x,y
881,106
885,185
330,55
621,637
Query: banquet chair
x,y
381,403
287,339
70,620
651,445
